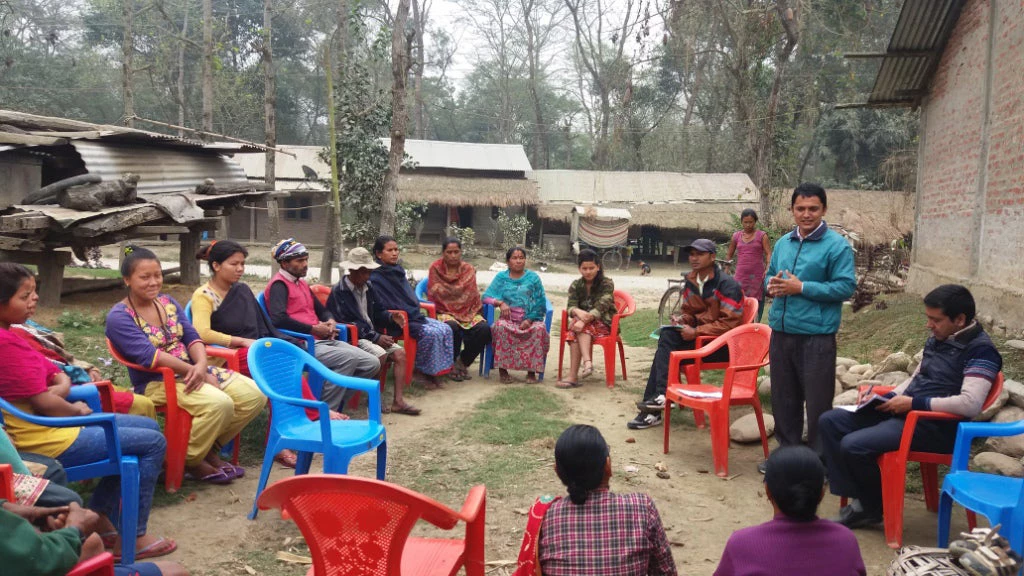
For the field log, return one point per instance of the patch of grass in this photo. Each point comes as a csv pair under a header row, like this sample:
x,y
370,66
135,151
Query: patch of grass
x,y
636,330
872,333
514,416
93,272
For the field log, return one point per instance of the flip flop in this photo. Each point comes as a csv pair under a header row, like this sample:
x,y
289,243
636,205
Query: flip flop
x,y
588,369
162,547
219,477
566,384
408,410
233,471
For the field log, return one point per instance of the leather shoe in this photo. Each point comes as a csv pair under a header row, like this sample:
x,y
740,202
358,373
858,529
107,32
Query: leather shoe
x,y
854,516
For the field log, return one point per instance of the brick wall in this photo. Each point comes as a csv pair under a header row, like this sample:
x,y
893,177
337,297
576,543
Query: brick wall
x,y
970,210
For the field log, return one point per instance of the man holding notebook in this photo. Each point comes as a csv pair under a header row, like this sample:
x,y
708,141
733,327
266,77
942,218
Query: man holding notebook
x,y
960,365
711,305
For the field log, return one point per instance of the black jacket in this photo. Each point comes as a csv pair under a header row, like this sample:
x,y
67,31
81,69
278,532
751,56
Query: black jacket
x,y
343,306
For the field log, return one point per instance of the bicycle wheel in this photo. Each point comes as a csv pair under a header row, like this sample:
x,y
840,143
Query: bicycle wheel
x,y
670,300
611,259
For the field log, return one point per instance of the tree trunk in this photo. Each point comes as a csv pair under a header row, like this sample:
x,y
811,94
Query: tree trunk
x,y
419,19
270,118
399,69
540,132
181,72
207,67
127,54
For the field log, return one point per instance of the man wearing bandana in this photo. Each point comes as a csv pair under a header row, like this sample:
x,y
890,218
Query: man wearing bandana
x,y
292,306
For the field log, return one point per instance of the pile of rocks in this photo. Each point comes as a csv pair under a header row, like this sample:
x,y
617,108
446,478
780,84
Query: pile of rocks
x,y
1004,455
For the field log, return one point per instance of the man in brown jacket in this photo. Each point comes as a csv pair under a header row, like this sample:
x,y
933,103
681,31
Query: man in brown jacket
x,y
711,304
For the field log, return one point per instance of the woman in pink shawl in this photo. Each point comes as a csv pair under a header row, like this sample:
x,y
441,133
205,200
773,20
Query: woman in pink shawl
x,y
451,286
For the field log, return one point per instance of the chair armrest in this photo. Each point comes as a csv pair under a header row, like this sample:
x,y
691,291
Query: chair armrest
x,y
968,431
703,340
100,565
353,334
405,326
370,387
106,392
476,502
876,389
616,320
679,355
487,311
103,420
430,308
310,340
911,423
228,354
565,323
87,393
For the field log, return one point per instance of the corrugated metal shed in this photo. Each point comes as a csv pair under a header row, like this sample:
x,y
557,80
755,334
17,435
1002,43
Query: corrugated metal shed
x,y
159,169
914,51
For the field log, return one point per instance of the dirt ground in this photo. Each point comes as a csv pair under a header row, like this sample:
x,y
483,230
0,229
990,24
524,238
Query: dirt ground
x,y
698,509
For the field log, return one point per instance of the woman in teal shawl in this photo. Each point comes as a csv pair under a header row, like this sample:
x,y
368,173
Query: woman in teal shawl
x,y
520,338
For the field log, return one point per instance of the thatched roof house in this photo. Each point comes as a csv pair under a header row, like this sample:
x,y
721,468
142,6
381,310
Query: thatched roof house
x,y
875,216
461,182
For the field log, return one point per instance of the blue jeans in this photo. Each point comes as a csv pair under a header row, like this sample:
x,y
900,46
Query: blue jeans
x,y
139,436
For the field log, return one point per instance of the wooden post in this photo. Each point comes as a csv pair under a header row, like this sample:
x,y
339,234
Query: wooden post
x,y
51,277
187,258
274,224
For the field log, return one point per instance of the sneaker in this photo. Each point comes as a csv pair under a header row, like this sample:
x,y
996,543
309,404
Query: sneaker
x,y
643,421
652,406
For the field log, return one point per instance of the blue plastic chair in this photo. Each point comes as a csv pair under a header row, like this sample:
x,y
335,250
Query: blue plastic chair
x,y
310,340
115,464
487,312
487,362
998,498
277,368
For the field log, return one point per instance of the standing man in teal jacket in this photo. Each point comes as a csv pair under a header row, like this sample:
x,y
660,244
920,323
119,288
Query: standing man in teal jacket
x,y
810,275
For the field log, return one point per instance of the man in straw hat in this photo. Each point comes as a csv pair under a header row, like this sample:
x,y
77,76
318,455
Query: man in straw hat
x,y
293,306
352,300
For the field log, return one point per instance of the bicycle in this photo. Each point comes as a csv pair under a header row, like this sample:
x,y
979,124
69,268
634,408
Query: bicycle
x,y
671,300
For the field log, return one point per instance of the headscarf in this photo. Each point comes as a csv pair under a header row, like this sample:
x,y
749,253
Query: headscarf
x,y
455,294
287,249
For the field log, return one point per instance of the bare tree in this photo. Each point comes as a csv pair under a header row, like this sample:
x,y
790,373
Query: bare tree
x,y
270,116
540,20
499,21
420,16
399,119
208,66
127,53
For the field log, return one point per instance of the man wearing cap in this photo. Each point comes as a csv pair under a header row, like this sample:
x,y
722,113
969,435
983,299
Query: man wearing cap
x,y
352,300
711,304
292,306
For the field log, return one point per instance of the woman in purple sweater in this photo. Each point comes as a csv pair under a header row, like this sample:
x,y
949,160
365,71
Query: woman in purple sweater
x,y
796,541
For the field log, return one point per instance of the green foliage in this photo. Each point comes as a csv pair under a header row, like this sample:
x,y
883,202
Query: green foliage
x,y
467,236
407,214
513,229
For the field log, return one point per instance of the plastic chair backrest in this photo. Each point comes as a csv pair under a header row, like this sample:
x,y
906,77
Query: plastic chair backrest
x,y
421,290
748,346
321,292
749,310
624,303
354,525
993,392
7,482
280,369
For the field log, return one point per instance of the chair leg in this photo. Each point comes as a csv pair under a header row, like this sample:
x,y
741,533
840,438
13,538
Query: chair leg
x,y
382,460
622,358
129,507
303,461
972,520
410,359
561,351
760,425
894,473
608,348
930,483
720,441
665,423
268,463
177,447
945,512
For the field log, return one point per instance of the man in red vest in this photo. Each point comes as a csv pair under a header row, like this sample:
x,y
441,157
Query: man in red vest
x,y
292,306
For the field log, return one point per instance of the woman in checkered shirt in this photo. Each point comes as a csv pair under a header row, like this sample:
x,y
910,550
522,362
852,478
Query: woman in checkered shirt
x,y
595,531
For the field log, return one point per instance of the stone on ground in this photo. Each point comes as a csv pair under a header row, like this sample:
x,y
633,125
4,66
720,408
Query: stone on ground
x,y
764,385
892,378
859,368
895,362
841,361
995,463
1015,344
847,398
1016,391
744,430
851,380
992,410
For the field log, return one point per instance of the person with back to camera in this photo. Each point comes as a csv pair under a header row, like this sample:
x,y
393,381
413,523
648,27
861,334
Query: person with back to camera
x,y
795,541
594,531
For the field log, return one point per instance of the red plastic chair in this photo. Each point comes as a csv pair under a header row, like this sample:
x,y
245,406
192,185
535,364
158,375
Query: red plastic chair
x,y
893,466
625,307
101,565
361,526
749,313
178,422
748,353
322,293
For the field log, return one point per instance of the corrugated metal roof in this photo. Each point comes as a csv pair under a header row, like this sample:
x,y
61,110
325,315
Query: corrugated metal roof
x,y
587,187
159,169
425,153
914,51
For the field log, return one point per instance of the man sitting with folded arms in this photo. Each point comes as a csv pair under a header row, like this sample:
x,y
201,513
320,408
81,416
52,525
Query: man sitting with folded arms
x,y
711,305
292,305
960,365
352,300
